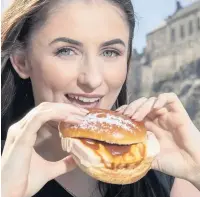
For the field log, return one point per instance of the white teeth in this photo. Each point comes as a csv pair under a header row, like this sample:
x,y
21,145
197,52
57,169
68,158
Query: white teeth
x,y
84,99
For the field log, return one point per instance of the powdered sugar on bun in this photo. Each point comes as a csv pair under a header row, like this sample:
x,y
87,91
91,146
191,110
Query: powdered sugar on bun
x,y
106,125
92,120
107,133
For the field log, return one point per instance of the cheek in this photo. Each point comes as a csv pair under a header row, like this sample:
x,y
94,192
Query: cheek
x,y
115,76
51,74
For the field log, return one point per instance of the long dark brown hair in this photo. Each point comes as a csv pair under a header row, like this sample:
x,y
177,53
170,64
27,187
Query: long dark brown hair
x,y
17,97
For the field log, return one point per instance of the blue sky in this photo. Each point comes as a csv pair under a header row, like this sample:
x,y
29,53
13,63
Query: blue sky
x,y
150,13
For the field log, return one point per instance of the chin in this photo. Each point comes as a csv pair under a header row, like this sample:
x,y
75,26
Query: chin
x,y
110,147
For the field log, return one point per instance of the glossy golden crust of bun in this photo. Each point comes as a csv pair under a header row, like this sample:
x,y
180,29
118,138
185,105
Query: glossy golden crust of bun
x,y
108,126
119,176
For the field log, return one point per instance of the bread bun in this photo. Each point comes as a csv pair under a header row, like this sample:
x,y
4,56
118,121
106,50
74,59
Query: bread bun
x,y
118,176
108,126
109,147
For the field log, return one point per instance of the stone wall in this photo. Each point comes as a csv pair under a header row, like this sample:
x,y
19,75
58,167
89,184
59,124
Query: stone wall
x,y
168,65
185,82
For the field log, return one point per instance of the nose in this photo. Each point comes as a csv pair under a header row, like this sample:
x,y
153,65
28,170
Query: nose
x,y
90,76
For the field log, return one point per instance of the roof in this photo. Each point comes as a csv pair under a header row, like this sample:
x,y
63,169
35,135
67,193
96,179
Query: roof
x,y
184,11
178,14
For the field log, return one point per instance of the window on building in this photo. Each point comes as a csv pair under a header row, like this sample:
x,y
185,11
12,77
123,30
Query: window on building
x,y
152,45
190,27
198,23
173,36
182,32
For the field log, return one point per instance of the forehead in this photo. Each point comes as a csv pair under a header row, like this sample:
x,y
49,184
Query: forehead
x,y
87,21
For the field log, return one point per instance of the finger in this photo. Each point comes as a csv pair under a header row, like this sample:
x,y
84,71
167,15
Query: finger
x,y
130,110
36,121
75,109
121,109
61,167
151,126
44,113
157,113
169,100
49,107
144,109
74,119
9,141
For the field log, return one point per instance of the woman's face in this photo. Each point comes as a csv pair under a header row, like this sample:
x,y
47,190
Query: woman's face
x,y
79,55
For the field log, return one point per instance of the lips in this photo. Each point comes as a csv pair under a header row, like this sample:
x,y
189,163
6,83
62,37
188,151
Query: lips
x,y
84,101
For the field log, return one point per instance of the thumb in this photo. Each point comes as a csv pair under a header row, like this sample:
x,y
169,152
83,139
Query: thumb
x,y
63,166
156,130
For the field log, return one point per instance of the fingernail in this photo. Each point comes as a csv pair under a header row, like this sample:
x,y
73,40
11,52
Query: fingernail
x,y
125,113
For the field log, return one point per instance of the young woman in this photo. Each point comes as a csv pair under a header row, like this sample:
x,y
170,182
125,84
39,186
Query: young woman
x,y
59,57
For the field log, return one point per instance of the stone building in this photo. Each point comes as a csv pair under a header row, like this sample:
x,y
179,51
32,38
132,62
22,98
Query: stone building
x,y
175,43
171,60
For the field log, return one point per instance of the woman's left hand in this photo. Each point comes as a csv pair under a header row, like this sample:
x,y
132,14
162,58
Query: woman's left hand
x,y
179,139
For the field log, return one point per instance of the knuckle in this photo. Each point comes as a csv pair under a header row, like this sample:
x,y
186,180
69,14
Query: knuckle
x,y
37,112
143,98
13,129
174,95
131,104
37,116
43,105
161,96
152,98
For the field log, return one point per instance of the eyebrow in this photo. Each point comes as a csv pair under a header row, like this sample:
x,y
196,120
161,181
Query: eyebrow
x,y
112,42
75,42
67,40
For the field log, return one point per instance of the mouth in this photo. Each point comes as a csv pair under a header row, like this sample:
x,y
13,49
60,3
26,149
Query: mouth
x,y
84,101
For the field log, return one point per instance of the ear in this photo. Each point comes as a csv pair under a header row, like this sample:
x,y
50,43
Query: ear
x,y
20,64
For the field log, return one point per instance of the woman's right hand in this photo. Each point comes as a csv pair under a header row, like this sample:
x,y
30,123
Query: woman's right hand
x,y
23,171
